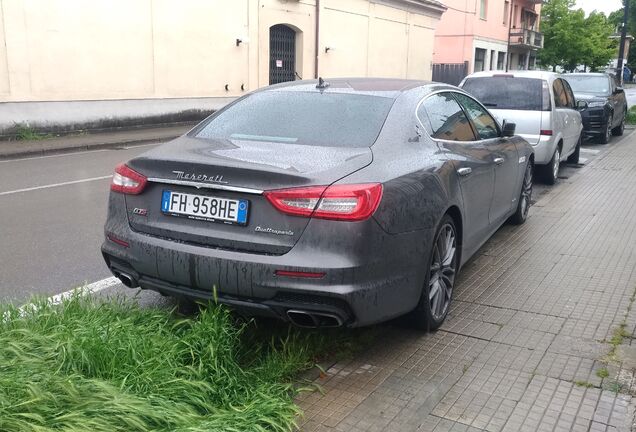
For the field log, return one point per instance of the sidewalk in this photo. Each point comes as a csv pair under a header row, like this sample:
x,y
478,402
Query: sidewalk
x,y
90,141
539,337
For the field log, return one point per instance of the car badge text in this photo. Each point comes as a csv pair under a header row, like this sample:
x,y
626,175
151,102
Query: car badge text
x,y
182,175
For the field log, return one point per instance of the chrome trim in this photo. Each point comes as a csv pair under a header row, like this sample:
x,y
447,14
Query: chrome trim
x,y
207,186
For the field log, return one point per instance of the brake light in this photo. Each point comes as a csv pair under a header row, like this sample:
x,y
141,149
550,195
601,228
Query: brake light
x,y
354,202
545,132
128,181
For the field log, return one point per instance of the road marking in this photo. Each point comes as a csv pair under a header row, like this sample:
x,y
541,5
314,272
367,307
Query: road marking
x,y
123,147
85,290
54,185
586,150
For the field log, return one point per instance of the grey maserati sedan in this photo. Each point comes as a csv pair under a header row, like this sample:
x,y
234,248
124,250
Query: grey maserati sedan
x,y
340,203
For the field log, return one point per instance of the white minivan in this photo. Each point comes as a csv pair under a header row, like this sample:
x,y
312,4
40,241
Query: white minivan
x,y
542,106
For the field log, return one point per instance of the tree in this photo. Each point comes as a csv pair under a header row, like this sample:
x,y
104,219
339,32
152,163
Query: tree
x,y
599,47
570,39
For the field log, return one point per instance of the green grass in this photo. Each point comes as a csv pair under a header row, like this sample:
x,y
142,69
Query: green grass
x,y
584,384
27,133
631,116
602,373
89,365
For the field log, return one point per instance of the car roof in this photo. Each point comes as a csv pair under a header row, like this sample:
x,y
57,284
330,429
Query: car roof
x,y
387,87
605,74
516,73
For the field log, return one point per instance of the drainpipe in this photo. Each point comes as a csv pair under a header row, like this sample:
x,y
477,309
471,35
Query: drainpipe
x,y
317,44
509,30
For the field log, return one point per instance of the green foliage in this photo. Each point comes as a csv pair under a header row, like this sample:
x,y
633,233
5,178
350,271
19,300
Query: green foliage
x,y
602,373
25,132
631,116
95,365
571,39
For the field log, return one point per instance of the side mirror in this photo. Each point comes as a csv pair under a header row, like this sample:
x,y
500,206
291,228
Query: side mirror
x,y
508,129
618,90
581,105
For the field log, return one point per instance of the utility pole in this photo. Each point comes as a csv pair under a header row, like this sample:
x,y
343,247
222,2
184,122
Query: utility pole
x,y
621,49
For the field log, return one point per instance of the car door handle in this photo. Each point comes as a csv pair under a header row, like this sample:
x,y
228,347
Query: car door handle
x,y
498,160
464,171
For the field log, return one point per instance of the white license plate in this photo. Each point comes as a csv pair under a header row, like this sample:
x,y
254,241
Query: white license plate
x,y
204,207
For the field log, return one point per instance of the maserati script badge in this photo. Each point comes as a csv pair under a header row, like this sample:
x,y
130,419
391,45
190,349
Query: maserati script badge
x,y
182,175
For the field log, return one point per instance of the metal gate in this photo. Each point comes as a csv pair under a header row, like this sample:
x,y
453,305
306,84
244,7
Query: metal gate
x,y
450,73
282,54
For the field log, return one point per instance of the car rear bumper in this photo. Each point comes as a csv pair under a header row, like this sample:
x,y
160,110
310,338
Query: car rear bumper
x,y
543,147
369,276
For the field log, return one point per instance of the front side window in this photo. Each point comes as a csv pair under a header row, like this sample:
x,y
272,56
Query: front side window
x,y
485,125
444,119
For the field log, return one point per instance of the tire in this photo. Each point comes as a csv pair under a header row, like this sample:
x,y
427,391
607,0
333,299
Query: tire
x,y
550,172
620,129
574,157
439,280
525,197
605,138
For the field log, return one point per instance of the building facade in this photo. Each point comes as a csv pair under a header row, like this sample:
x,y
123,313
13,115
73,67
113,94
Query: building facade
x,y
489,34
85,63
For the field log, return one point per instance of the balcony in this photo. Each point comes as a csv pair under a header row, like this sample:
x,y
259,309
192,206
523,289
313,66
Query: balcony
x,y
524,38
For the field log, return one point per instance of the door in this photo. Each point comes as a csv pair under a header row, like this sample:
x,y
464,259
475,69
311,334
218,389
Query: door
x,y
618,101
503,153
576,122
446,122
282,54
565,118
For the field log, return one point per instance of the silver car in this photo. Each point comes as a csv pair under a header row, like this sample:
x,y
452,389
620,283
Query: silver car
x,y
542,106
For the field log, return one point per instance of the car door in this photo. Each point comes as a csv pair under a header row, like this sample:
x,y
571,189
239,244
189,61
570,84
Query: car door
x,y
618,102
503,153
565,122
445,121
576,122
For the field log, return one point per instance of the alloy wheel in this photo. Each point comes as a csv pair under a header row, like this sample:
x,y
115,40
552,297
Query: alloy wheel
x,y
442,272
557,161
526,191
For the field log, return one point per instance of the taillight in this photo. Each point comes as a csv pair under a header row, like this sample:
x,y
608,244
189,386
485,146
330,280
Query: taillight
x,y
339,202
127,181
545,132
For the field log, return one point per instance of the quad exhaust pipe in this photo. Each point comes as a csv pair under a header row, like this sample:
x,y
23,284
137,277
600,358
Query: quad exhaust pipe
x,y
126,279
311,319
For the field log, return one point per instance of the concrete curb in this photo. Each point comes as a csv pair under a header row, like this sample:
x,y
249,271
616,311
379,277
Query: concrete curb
x,y
18,149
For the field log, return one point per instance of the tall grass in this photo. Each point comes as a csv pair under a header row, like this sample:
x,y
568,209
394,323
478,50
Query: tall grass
x,y
91,365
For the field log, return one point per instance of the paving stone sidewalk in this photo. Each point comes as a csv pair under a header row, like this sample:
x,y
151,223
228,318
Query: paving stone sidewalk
x,y
526,346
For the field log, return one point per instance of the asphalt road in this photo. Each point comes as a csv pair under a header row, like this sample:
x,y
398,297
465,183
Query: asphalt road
x,y
52,210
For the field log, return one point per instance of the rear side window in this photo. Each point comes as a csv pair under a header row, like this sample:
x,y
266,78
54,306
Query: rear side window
x,y
560,96
302,118
443,118
510,93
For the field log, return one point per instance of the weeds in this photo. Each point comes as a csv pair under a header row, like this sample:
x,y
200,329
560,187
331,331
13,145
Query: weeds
x,y
24,132
630,118
585,384
112,366
602,373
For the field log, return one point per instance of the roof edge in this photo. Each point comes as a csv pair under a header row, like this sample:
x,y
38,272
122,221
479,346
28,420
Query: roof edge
x,y
433,8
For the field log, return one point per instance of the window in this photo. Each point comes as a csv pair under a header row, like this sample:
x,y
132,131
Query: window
x,y
569,94
506,12
485,125
480,59
510,93
560,97
521,65
483,9
501,59
514,16
493,59
593,84
443,118
293,117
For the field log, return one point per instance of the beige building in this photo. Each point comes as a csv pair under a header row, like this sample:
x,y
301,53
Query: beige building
x,y
94,63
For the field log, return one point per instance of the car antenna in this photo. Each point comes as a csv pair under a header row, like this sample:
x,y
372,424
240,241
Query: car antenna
x,y
322,84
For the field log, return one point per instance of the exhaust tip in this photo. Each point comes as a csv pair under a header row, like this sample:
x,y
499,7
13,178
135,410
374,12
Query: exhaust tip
x,y
309,319
127,280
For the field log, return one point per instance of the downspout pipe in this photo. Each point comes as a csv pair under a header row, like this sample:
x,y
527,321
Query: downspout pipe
x,y
317,41
509,30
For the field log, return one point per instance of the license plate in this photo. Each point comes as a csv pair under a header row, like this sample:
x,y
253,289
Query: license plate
x,y
202,207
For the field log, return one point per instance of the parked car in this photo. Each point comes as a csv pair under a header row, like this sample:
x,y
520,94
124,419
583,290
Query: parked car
x,y
324,205
606,104
542,106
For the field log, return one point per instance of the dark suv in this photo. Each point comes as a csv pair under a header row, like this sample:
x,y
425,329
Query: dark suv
x,y
606,104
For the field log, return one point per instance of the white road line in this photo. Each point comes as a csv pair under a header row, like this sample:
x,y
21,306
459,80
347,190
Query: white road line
x,y
123,147
86,289
54,185
586,150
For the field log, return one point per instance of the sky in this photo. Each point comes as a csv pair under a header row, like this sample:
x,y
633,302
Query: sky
x,y
606,6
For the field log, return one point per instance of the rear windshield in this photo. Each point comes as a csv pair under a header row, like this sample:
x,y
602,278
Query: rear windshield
x,y
302,118
509,93
590,84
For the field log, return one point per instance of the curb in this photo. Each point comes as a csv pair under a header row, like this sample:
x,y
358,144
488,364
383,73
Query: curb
x,y
85,147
